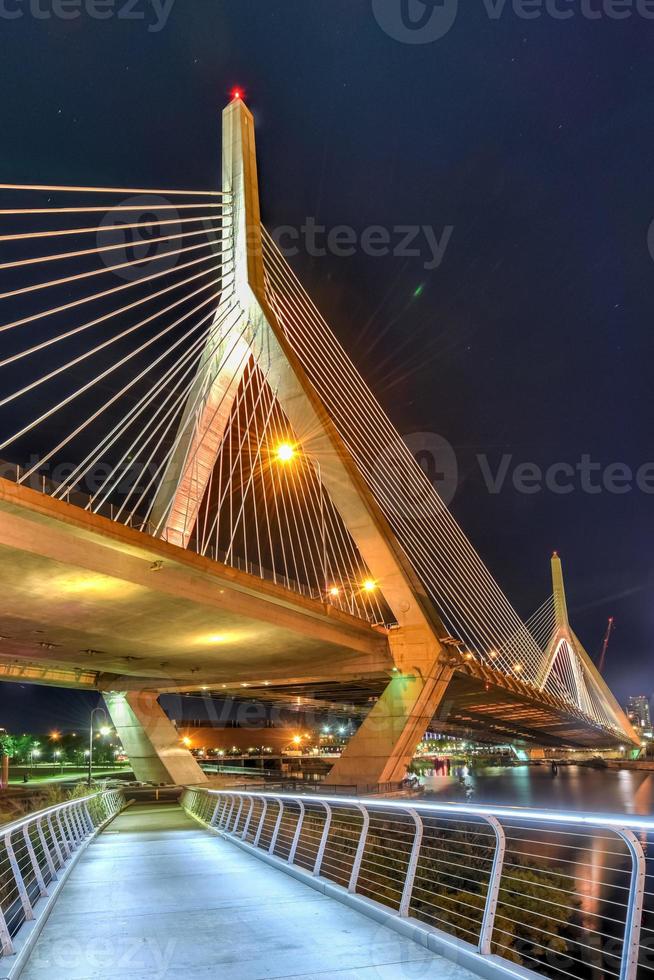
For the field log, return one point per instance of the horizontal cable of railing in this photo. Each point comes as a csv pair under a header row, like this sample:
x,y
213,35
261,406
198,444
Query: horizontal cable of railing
x,y
561,894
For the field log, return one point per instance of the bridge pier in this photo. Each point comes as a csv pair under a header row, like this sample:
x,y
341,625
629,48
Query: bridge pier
x,y
151,740
385,744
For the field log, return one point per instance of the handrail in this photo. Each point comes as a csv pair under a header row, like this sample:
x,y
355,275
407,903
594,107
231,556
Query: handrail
x,y
609,821
57,807
549,890
36,849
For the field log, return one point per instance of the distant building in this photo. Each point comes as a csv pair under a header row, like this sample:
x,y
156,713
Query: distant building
x,y
638,712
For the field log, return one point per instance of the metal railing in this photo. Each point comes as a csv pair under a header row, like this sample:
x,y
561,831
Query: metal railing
x,y
36,849
560,894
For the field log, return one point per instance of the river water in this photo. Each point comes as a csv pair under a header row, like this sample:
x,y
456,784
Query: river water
x,y
573,788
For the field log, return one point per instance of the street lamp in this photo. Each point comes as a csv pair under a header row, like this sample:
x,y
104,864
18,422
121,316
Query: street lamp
x,y
103,731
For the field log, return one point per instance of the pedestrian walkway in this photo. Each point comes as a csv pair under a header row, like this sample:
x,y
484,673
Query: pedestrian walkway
x,y
156,897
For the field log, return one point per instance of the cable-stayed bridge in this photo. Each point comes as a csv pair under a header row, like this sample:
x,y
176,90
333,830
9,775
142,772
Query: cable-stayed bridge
x,y
204,494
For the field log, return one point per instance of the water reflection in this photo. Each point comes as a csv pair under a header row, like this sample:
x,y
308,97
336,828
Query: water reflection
x,y
573,788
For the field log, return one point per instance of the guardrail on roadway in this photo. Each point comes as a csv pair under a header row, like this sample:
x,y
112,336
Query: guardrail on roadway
x,y
505,892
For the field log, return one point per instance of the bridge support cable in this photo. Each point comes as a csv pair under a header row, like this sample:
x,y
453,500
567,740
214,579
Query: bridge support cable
x,y
541,623
165,253
180,369
156,477
104,406
158,427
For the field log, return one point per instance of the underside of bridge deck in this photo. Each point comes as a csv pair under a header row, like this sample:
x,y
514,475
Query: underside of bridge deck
x,y
127,611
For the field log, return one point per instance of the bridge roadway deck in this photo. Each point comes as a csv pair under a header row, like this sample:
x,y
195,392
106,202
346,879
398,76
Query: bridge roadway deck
x,y
156,896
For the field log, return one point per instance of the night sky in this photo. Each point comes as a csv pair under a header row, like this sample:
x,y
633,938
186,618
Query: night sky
x,y
533,339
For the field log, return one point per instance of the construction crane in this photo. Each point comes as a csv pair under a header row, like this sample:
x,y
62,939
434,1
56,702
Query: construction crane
x,y
605,645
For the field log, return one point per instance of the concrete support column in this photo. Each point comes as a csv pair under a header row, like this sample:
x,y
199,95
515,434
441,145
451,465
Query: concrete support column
x,y
151,740
386,742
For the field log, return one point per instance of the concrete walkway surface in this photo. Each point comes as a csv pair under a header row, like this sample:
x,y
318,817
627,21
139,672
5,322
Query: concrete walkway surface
x,y
156,897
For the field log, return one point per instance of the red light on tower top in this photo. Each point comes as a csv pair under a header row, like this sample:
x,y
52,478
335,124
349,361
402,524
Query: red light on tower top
x,y
237,94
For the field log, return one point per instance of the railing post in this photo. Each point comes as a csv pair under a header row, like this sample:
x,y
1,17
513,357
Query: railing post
x,y
55,842
278,823
33,861
490,910
296,835
6,945
264,810
237,817
412,866
358,857
46,849
633,924
323,840
214,815
72,830
18,878
248,819
223,811
224,823
64,836
77,821
81,816
87,816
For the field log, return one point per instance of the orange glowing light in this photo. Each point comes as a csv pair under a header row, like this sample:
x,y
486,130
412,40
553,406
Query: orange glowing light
x,y
285,452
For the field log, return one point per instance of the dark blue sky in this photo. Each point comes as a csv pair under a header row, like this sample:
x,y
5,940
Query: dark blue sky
x,y
532,138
